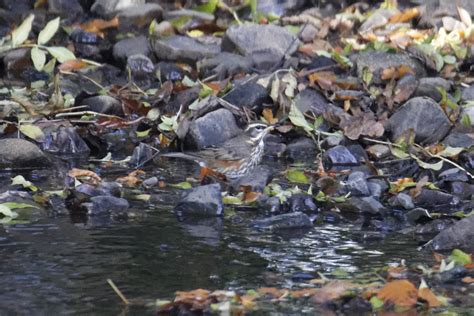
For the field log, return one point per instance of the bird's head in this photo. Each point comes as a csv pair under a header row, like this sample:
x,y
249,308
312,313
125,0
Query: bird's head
x,y
257,131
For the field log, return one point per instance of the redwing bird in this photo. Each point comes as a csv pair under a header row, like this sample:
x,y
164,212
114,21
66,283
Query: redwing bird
x,y
234,158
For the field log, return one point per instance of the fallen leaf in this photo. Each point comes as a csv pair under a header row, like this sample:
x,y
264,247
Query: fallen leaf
x,y
332,291
297,176
268,116
363,124
405,16
98,25
271,291
87,175
72,65
400,292
132,179
429,297
468,280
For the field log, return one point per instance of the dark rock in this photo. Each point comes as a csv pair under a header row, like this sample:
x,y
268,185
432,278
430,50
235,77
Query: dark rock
x,y
453,275
79,36
274,147
104,104
302,203
64,140
283,221
376,188
20,154
418,216
141,155
459,235
224,65
15,62
201,201
150,182
271,205
279,7
424,116
139,15
402,200
463,190
65,8
459,139
256,180
301,276
435,226
211,129
252,39
109,8
184,48
141,69
169,71
204,230
311,100
202,16
363,205
357,184
357,306
405,88
131,46
468,94
433,198
376,62
250,94
106,205
434,11
301,149
453,174
428,87
339,157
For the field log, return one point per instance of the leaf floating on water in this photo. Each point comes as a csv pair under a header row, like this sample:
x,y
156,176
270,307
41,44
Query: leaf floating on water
x,y
400,293
86,174
20,180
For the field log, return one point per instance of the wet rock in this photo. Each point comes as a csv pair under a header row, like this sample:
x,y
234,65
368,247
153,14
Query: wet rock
x,y
256,180
270,205
131,46
428,87
253,39
184,48
311,100
357,184
468,94
283,221
139,15
424,116
363,205
64,140
211,129
402,200
104,104
302,203
141,155
433,198
108,8
250,94
339,157
106,205
20,154
453,275
376,62
224,65
418,216
301,149
201,201
459,235
205,230
65,8
82,37
435,226
463,190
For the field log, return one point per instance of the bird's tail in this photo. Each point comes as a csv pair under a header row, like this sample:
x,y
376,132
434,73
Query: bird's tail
x,y
181,156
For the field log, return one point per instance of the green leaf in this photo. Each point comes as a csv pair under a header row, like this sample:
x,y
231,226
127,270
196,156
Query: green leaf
x,y
466,120
460,257
425,165
181,185
49,67
32,131
376,302
367,76
450,151
62,54
20,34
48,32
449,59
297,176
297,118
205,91
38,57
153,114
231,200
20,180
209,7
7,212
15,205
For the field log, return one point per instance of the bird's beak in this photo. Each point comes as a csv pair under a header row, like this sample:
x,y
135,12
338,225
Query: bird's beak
x,y
269,129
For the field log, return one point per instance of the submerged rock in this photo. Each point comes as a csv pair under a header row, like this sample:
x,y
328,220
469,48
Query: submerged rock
x,y
459,235
106,205
283,221
201,201
64,140
21,154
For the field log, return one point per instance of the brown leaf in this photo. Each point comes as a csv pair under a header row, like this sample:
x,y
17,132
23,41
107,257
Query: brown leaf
x,y
98,25
304,292
364,124
198,299
132,179
405,16
72,65
332,291
86,175
468,280
268,116
396,72
427,295
270,291
400,293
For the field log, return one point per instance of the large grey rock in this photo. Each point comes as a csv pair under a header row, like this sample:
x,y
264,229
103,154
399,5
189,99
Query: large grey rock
x,y
311,100
251,39
63,140
17,154
108,8
376,62
211,129
65,8
183,48
201,201
104,104
139,15
434,199
357,184
278,7
250,95
283,221
424,116
131,46
428,87
459,235
339,157
225,65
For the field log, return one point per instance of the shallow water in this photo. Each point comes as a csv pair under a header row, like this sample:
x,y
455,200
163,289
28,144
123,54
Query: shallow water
x,y
57,266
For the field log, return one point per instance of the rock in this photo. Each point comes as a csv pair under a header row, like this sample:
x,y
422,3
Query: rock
x,y
301,149
417,216
108,8
357,184
468,94
252,39
64,140
15,62
363,205
211,129
250,94
274,147
65,8
434,199
459,235
339,157
424,116
201,201
224,65
139,15
184,48
141,155
435,226
434,11
283,221
256,180
106,205
270,205
302,202
20,154
459,139
376,62
311,100
378,19
378,151
202,16
169,71
131,46
104,104
141,69
463,190
428,87
452,174
402,200
278,7
469,111
79,36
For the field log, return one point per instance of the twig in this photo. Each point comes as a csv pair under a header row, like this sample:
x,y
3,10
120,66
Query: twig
x,y
87,113
118,292
381,142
